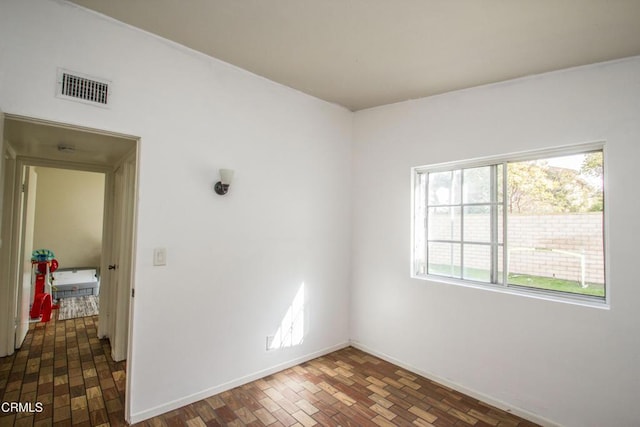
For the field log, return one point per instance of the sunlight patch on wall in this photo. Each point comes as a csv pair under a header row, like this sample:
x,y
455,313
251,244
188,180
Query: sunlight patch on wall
x,y
291,330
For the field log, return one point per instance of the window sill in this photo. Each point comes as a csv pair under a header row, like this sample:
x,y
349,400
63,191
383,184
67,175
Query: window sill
x,y
584,301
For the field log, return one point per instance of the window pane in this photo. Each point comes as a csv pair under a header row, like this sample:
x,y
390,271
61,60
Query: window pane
x,y
477,224
444,259
551,209
500,223
556,269
500,182
420,231
553,185
444,188
555,239
500,265
444,223
477,185
477,263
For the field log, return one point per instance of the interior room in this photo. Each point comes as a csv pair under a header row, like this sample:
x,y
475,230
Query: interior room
x,y
68,219
270,204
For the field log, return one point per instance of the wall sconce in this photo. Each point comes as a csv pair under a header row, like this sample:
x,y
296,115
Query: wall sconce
x,y
222,186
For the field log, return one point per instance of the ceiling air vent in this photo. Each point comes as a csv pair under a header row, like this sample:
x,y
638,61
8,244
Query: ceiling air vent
x,y
79,87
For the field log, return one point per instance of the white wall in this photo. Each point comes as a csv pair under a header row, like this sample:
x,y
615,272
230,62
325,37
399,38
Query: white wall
x,y
568,364
235,262
69,208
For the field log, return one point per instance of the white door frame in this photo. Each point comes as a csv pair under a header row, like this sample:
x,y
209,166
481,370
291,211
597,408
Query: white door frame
x,y
28,180
10,250
7,317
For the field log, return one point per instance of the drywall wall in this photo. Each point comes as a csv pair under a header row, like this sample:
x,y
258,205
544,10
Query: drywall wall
x,y
69,208
234,263
559,363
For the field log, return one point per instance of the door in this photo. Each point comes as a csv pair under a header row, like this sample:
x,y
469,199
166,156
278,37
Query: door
x,y
126,187
119,270
24,295
113,259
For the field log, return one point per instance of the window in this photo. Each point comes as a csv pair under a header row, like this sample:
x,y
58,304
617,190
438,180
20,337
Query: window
x,y
531,223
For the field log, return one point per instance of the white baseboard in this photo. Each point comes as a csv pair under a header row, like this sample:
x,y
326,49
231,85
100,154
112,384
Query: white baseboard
x,y
178,403
458,387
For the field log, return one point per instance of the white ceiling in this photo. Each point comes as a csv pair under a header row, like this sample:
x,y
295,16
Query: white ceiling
x,y
364,53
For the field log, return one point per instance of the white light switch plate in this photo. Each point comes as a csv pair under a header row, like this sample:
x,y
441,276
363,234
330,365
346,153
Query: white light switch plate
x,y
160,256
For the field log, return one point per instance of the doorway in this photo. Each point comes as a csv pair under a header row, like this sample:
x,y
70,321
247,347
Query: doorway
x,y
65,211
32,147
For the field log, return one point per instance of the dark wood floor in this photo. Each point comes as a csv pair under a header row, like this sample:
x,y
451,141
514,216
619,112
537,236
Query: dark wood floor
x,y
63,365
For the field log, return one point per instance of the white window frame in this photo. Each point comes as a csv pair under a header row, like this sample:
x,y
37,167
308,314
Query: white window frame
x,y
504,287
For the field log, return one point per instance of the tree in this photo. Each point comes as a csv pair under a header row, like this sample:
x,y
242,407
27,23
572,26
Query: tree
x,y
593,168
537,187
527,186
592,165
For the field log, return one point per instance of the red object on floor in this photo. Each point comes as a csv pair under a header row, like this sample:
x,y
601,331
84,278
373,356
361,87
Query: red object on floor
x,y
40,272
41,307
36,306
46,308
42,303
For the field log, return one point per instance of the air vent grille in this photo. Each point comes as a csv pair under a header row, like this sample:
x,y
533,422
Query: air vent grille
x,y
83,88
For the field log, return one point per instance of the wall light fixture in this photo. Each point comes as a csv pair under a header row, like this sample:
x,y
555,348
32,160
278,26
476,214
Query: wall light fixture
x,y
222,186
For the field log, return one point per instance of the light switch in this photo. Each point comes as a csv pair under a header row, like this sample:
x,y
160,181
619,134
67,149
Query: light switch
x,y
160,256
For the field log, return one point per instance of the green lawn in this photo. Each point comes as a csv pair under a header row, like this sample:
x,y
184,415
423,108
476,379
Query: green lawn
x,y
539,282
551,283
